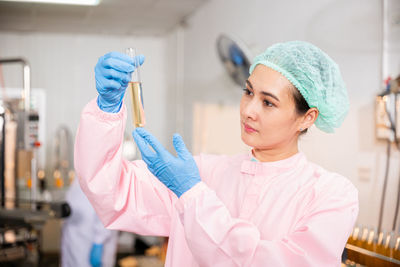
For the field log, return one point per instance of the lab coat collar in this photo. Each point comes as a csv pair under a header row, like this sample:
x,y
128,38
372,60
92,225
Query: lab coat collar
x,y
273,167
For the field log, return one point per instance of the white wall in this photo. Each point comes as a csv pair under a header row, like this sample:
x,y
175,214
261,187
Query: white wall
x,y
349,31
63,65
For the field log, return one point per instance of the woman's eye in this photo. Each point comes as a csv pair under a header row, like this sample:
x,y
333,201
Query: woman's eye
x,y
247,91
267,103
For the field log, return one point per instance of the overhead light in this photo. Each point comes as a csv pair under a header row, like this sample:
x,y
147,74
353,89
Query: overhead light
x,y
62,2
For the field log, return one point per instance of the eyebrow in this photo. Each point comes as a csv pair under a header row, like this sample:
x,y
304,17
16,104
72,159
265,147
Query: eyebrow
x,y
263,92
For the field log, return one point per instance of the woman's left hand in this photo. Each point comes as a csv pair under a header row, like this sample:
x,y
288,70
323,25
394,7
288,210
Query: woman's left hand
x,y
178,173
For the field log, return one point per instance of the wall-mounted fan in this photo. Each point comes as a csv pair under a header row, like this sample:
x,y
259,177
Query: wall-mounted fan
x,y
235,56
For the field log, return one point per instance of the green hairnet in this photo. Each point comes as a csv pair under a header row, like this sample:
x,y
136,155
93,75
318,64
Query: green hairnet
x,y
315,75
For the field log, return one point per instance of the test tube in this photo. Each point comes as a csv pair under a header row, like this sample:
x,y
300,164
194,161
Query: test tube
x,y
135,88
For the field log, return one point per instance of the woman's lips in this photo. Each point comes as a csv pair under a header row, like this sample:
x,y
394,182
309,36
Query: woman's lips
x,y
248,129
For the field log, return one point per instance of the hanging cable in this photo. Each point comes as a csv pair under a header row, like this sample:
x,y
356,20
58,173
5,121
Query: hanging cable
x,y
397,206
396,213
393,128
384,185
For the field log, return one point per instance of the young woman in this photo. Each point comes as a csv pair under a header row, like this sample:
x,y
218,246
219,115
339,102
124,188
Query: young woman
x,y
270,207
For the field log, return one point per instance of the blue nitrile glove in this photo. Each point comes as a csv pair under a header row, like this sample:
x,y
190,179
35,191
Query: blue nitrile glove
x,y
113,73
95,255
178,173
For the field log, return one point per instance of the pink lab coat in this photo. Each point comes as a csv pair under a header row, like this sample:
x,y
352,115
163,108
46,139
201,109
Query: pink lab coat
x,y
244,213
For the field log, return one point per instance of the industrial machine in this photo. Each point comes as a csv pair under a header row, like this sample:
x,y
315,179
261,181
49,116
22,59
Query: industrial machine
x,y
22,212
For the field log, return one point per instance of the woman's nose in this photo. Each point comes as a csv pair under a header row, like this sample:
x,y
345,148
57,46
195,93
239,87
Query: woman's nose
x,y
251,110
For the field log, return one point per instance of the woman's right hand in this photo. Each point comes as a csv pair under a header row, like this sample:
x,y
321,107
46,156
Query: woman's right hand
x,y
113,73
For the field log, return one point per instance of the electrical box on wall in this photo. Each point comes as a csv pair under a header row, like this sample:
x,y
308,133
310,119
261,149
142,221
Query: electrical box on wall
x,y
382,120
387,119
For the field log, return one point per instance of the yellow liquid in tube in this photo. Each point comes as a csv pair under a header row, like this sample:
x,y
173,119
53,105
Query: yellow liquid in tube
x,y
137,104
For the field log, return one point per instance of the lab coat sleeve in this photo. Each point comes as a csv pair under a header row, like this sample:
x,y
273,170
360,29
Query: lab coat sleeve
x,y
125,195
215,238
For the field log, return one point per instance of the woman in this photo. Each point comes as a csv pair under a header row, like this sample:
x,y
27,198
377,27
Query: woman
x,y
270,207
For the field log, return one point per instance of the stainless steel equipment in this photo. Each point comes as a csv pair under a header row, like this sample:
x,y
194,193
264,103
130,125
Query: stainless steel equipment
x,y
15,147
22,216
63,171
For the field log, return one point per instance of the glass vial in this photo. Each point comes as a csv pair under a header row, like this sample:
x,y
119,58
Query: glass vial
x,y
136,93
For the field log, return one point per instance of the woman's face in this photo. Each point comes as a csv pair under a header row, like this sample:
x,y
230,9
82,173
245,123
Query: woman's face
x,y
267,110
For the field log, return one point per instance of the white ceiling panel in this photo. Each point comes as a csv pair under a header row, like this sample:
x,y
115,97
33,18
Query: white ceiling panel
x,y
142,17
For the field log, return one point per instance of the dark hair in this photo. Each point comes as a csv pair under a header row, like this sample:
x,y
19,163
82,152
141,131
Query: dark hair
x,y
301,104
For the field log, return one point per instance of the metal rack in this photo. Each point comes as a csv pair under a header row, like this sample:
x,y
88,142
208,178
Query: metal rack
x,y
386,261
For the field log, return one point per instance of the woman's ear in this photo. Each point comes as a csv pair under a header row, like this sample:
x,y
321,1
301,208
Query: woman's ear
x,y
309,118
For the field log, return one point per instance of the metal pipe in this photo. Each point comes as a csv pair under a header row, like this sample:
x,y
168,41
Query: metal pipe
x,y
26,79
384,55
383,197
180,67
383,76
63,153
27,101
2,157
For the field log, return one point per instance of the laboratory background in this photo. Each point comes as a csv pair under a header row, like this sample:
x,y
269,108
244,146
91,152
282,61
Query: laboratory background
x,y
191,83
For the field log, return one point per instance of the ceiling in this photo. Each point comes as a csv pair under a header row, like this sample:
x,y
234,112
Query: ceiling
x,y
120,17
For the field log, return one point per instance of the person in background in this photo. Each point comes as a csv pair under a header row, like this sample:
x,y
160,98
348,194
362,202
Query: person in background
x,y
85,242
268,207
